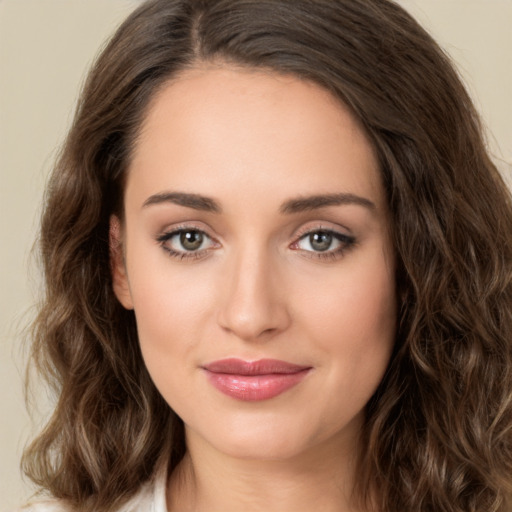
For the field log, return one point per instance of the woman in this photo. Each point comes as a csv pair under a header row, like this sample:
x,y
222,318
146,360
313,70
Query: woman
x,y
278,264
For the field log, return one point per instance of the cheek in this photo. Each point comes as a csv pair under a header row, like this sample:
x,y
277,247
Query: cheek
x,y
353,320
171,307
358,303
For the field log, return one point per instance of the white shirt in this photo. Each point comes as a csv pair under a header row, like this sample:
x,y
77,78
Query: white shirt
x,y
150,498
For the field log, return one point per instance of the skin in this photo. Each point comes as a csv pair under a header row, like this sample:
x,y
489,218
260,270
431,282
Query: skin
x,y
257,288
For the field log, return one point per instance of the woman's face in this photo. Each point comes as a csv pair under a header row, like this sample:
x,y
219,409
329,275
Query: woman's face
x,y
258,261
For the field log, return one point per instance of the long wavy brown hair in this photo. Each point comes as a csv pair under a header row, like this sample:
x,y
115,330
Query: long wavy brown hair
x,y
438,431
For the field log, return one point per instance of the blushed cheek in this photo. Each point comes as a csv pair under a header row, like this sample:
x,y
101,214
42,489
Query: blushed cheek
x,y
167,337
171,310
356,322
363,309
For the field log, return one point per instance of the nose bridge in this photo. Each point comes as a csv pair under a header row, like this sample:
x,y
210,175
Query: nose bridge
x,y
253,304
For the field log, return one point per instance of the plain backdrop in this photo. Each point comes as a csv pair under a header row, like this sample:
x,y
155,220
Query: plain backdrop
x,y
46,47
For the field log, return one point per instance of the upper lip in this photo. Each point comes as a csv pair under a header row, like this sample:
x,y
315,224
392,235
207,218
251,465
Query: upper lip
x,y
235,366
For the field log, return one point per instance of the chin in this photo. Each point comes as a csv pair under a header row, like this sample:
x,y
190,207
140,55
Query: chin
x,y
265,438
263,448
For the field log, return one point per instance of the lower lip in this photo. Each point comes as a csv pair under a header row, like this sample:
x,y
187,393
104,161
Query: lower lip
x,y
253,388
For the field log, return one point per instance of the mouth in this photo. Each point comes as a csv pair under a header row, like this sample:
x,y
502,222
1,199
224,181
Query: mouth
x,y
254,380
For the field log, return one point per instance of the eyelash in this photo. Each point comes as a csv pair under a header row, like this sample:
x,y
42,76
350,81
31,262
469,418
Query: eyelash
x,y
346,243
164,238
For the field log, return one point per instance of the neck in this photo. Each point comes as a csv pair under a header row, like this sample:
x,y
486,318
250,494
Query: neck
x,y
206,480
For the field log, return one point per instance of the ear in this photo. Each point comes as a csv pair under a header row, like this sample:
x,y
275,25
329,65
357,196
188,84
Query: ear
x,y
117,266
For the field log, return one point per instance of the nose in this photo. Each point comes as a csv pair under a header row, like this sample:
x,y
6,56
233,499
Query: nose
x,y
253,306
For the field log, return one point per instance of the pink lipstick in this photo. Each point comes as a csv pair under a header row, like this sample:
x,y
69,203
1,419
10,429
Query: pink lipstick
x,y
254,380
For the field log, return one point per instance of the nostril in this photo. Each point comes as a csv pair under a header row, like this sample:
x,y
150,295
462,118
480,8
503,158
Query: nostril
x,y
252,323
252,306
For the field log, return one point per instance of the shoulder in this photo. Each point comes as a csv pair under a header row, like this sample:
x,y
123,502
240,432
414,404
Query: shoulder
x,y
47,505
149,498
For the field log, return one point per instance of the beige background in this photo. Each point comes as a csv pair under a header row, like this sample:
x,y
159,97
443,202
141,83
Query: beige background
x,y
45,49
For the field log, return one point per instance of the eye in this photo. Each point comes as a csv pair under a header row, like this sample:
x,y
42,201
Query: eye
x,y
190,240
324,243
318,241
186,243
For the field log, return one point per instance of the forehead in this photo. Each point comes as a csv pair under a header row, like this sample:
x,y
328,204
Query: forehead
x,y
219,129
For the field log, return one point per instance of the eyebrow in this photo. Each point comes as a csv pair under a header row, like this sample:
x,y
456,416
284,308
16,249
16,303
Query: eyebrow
x,y
295,205
195,201
303,204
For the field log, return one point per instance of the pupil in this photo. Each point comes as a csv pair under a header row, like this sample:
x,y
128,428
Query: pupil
x,y
191,240
320,241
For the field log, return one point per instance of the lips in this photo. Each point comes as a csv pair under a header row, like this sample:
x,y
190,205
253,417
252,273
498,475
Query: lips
x,y
254,380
